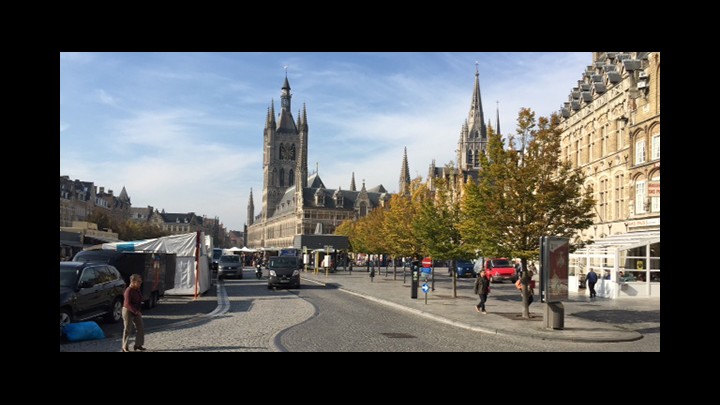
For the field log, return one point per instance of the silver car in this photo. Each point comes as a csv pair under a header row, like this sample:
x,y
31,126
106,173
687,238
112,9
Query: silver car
x,y
229,266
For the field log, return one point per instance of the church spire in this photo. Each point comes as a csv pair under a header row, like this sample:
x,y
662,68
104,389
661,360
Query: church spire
x,y
473,135
272,114
476,118
304,126
497,118
250,209
285,95
352,183
405,175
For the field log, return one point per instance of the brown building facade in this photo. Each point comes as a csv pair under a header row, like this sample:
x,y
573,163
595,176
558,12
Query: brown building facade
x,y
611,131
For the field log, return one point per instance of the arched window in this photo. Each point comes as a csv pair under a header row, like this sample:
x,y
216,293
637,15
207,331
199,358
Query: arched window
x,y
282,177
655,144
640,155
292,152
640,195
363,209
291,177
654,192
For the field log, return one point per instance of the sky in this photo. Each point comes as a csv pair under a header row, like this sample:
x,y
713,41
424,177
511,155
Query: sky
x,y
183,131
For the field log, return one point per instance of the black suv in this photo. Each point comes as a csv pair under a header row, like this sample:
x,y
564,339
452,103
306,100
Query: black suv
x,y
90,290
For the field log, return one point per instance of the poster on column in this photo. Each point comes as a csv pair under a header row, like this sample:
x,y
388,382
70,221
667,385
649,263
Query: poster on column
x,y
555,259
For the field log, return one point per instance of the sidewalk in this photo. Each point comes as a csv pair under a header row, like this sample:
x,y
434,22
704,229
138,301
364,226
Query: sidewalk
x,y
585,320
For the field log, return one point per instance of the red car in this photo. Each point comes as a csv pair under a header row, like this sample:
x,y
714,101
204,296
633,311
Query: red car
x,y
500,269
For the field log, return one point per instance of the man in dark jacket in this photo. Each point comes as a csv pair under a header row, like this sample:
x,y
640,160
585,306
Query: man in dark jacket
x,y
591,280
482,288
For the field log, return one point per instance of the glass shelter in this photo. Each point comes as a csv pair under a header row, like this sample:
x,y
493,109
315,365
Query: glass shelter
x,y
627,265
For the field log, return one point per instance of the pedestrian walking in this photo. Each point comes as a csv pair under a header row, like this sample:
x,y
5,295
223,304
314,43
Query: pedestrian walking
x,y
482,288
591,278
131,314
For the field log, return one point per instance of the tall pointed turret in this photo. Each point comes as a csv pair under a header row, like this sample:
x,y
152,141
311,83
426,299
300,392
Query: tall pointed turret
x,y
497,119
473,135
476,118
250,209
352,183
301,169
404,175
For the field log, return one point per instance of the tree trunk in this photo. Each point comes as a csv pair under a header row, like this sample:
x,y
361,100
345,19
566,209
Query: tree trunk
x,y
525,282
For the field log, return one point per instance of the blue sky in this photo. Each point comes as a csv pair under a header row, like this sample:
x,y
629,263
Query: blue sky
x,y
183,131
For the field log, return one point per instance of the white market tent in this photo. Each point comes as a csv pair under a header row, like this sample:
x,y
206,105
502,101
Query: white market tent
x,y
192,277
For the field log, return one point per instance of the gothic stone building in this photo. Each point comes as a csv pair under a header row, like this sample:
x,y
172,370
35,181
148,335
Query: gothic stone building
x,y
472,143
611,131
293,202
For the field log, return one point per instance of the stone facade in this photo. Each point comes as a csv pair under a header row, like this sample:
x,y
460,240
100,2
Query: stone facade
x,y
79,199
293,202
611,131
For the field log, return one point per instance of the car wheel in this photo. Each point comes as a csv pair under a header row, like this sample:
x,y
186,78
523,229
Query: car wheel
x,y
65,319
115,314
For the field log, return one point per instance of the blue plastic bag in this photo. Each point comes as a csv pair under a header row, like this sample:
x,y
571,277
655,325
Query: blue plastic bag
x,y
83,331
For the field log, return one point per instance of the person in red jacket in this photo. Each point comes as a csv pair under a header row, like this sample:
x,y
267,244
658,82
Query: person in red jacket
x,y
131,314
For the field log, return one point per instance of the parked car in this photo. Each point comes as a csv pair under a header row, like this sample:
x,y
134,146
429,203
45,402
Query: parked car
x,y
465,268
230,266
500,269
283,271
88,291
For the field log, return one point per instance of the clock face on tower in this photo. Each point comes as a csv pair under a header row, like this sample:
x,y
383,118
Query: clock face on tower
x,y
285,102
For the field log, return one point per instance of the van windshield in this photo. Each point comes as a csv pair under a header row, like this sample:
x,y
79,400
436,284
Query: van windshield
x,y
283,262
230,259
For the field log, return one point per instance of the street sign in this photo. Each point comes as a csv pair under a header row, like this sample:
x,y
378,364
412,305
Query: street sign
x,y
427,262
425,288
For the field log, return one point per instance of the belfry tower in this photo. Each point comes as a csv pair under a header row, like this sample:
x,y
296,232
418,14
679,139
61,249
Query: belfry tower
x,y
285,152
